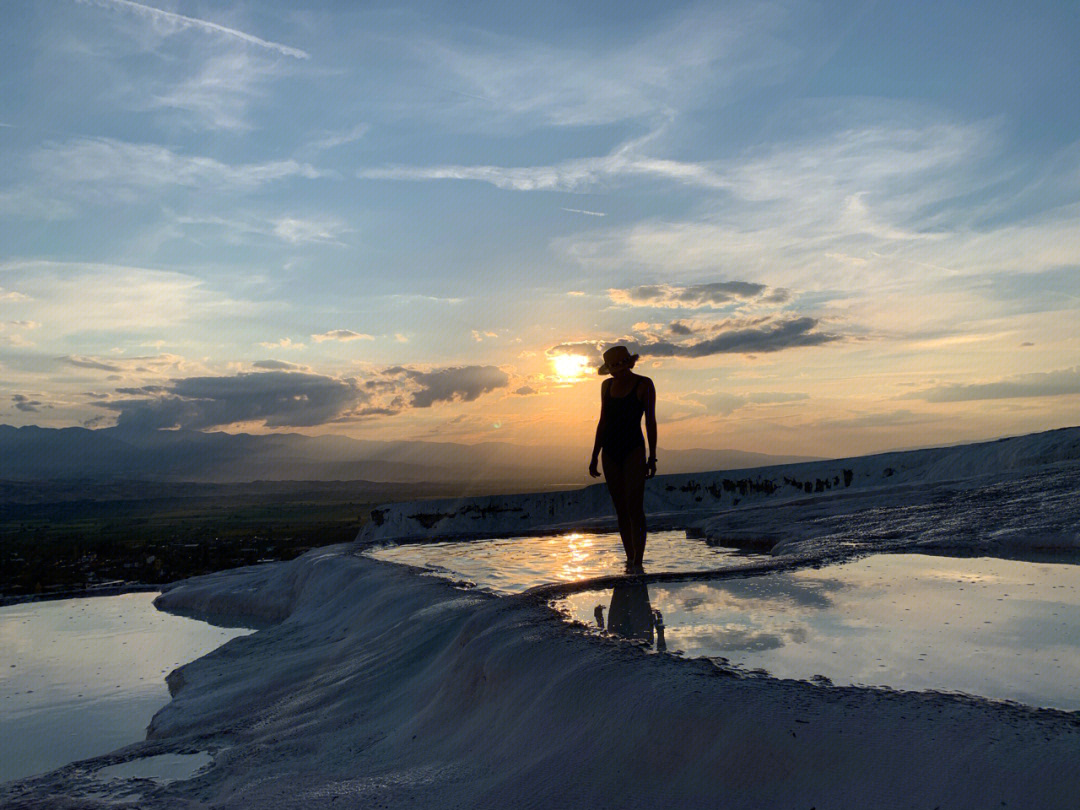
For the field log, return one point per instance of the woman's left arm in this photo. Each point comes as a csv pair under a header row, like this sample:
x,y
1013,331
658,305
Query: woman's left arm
x,y
650,425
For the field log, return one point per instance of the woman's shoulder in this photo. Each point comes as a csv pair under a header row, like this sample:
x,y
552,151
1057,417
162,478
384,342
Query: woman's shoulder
x,y
642,379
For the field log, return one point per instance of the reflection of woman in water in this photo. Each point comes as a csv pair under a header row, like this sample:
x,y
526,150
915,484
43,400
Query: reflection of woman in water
x,y
631,615
619,443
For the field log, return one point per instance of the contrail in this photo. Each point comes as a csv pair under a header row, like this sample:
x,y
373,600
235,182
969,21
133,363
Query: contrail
x,y
193,22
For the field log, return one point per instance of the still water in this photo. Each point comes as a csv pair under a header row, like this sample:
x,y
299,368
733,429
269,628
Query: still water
x,y
81,677
516,564
983,626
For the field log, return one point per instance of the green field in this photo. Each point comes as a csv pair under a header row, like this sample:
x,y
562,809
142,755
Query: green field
x,y
59,537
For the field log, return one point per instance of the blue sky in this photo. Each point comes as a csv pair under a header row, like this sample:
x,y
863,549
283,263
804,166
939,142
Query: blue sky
x,y
827,228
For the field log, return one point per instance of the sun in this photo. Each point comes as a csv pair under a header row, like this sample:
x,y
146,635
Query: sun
x,y
570,367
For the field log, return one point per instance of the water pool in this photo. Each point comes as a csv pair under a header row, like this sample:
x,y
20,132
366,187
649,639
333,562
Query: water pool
x,y
81,677
513,565
984,626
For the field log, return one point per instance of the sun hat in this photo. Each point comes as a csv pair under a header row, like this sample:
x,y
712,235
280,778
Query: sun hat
x,y
616,354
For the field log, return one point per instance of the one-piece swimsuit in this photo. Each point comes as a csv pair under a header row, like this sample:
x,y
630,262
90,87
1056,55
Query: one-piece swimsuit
x,y
622,425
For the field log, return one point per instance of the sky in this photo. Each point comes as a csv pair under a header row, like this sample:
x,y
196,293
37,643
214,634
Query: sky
x,y
827,228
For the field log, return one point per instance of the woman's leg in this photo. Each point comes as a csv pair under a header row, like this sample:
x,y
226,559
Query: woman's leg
x,y
634,470
614,476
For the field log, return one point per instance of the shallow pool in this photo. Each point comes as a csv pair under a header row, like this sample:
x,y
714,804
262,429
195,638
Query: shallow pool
x,y
985,626
516,564
81,677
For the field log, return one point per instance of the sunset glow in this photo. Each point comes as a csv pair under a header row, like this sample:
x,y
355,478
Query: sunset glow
x,y
571,367
827,229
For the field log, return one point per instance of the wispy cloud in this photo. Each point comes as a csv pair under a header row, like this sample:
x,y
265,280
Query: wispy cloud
x,y
1040,384
342,335
331,139
583,211
73,297
170,22
219,94
726,52
697,296
626,160
100,170
284,343
299,230
724,402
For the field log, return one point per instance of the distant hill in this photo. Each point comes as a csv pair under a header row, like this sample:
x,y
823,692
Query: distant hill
x,y
36,453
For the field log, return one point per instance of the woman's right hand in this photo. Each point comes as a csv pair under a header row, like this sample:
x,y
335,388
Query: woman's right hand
x,y
593,471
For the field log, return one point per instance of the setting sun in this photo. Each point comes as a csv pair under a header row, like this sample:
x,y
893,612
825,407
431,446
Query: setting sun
x,y
570,367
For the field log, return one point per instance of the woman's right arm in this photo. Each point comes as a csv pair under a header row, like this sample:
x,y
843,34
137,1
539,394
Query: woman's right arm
x,y
593,470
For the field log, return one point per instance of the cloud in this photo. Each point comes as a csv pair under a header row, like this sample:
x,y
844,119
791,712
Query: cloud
x,y
278,395
334,138
1039,384
103,169
724,52
24,403
142,364
168,22
724,403
464,383
272,398
680,328
583,211
525,390
298,231
588,348
90,362
218,95
569,175
12,295
284,343
79,297
696,296
277,365
342,335
771,336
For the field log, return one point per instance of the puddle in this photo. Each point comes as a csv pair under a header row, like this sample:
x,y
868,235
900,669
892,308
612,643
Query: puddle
x,y
82,677
513,565
161,768
985,626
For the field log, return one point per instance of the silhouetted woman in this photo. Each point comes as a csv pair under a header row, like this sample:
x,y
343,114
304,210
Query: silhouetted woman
x,y
621,447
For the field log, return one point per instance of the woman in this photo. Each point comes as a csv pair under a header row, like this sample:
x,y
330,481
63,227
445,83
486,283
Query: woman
x,y
619,443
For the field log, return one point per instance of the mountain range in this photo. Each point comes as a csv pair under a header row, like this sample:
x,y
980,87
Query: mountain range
x,y
37,453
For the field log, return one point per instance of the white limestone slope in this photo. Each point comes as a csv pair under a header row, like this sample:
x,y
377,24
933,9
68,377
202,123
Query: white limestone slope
x,y
379,688
694,500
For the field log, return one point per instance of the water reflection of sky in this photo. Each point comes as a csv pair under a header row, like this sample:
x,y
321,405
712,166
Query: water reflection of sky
x,y
80,677
999,628
515,564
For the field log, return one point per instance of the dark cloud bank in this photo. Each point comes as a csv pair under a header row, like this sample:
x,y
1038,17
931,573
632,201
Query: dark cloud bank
x,y
282,398
759,336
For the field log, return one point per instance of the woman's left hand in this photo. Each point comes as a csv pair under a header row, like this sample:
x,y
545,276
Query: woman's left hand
x,y
650,468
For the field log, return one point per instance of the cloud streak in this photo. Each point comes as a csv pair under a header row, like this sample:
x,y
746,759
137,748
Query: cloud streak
x,y
697,296
342,335
170,21
1040,384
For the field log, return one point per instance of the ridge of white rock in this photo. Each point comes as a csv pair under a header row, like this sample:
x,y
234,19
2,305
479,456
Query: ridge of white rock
x,y
694,500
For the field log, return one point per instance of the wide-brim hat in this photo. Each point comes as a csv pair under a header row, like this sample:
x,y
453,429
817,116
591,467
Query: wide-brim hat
x,y
616,354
